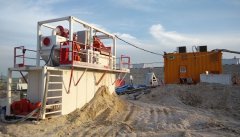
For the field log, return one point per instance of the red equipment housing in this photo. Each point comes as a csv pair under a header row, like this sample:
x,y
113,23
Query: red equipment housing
x,y
24,107
61,31
64,52
99,46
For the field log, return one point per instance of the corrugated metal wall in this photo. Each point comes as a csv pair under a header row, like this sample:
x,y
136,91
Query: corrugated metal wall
x,y
190,65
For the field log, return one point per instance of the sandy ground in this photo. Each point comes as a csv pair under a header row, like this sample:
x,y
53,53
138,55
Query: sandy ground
x,y
175,110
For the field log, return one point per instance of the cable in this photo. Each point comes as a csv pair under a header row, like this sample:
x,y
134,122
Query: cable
x,y
224,50
2,115
50,55
138,47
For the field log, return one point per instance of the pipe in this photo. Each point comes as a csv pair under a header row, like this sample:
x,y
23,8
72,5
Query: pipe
x,y
226,50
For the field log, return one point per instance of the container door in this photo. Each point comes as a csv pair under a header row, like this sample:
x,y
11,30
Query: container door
x,y
183,71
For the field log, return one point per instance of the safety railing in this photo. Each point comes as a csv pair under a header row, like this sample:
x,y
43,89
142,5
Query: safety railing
x,y
72,52
20,56
125,61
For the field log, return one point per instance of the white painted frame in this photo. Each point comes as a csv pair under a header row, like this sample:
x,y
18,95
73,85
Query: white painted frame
x,y
72,20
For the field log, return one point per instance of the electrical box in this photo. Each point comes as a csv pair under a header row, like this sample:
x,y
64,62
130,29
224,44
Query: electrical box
x,y
182,49
47,53
202,48
51,40
82,37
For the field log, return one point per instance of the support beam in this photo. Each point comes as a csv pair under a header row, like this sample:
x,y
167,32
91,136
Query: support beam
x,y
48,26
75,84
23,77
97,83
118,77
91,26
71,21
44,99
53,20
9,92
39,34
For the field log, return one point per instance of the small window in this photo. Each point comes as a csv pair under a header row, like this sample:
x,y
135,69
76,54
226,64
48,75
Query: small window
x,y
183,69
171,57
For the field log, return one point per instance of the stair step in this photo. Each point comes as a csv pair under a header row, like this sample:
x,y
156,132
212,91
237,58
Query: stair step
x,y
52,112
54,97
56,104
53,116
56,76
54,82
50,90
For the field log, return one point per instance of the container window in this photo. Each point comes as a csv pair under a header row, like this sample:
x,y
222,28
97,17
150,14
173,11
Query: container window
x,y
171,57
183,69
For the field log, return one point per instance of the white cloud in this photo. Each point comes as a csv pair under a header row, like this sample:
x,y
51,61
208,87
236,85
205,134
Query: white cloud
x,y
19,20
169,40
19,26
128,38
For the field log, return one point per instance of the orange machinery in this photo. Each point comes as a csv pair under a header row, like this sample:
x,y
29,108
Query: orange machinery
x,y
184,67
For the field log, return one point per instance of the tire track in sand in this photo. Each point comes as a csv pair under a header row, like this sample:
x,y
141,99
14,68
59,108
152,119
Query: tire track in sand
x,y
131,110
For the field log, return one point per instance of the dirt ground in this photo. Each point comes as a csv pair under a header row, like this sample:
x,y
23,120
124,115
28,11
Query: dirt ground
x,y
174,110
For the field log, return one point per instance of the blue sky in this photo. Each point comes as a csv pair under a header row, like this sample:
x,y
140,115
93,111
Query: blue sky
x,y
157,25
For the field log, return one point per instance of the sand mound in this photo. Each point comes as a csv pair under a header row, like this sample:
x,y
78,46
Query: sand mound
x,y
202,95
213,96
207,96
103,106
173,110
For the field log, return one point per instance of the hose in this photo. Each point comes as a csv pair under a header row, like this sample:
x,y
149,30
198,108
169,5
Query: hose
x,y
50,55
3,112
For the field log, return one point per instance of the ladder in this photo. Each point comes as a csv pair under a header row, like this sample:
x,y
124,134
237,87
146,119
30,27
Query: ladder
x,y
52,98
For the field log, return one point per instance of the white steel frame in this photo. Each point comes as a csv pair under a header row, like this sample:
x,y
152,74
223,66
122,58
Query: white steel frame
x,y
44,69
71,21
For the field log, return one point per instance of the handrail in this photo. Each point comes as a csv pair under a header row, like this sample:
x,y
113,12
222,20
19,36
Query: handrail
x,y
71,51
21,55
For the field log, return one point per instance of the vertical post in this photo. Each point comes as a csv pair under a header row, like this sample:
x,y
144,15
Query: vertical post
x,y
114,46
38,44
90,41
23,55
120,62
90,38
9,90
44,99
70,37
14,65
43,88
114,52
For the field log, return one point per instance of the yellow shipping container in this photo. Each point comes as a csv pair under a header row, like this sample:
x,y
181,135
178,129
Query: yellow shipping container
x,y
179,66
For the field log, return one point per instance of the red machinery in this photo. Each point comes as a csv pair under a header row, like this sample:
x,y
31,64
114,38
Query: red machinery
x,y
119,82
64,52
99,46
24,107
61,31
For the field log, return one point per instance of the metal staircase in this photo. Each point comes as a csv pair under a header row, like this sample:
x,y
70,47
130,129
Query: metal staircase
x,y
52,99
